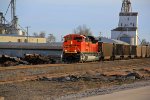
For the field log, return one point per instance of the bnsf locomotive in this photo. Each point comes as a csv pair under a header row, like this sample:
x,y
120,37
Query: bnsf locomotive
x,y
80,48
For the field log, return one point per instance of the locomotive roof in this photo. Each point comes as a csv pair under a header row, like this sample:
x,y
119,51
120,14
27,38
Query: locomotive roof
x,y
89,36
75,35
125,29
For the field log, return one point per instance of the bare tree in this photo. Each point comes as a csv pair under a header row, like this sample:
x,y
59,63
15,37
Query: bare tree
x,y
35,34
83,30
51,38
42,34
144,42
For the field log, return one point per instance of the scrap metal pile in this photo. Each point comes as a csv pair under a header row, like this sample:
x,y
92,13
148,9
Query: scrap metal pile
x,y
28,59
11,61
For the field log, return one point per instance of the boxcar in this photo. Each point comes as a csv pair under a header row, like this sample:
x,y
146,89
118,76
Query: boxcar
x,y
143,51
106,50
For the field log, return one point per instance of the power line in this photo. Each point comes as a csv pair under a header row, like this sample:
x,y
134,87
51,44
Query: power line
x,y
7,9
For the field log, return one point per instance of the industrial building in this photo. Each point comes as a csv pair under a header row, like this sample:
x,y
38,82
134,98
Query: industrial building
x,y
108,40
15,41
20,49
127,29
21,38
11,31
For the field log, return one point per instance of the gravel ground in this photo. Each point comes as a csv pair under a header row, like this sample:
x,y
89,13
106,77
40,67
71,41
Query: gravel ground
x,y
36,90
91,80
107,67
102,91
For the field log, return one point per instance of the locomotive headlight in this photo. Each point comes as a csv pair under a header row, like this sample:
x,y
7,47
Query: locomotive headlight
x,y
65,50
75,50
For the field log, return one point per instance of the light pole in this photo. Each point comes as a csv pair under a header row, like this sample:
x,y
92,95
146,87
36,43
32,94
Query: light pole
x,y
100,36
28,33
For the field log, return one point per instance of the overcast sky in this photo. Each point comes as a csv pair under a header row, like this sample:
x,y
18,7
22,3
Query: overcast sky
x,y
60,17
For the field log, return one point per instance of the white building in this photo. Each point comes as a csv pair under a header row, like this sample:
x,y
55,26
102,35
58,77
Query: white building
x,y
127,29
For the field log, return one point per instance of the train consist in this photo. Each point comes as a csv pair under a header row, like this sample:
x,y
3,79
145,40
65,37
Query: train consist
x,y
80,48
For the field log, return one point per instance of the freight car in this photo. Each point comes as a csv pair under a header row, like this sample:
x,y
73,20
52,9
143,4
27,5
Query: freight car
x,y
133,51
111,51
148,51
79,48
105,50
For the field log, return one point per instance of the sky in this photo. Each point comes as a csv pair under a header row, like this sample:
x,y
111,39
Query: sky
x,y
61,17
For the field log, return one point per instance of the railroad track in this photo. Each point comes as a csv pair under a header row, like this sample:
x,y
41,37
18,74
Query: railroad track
x,y
29,66
44,65
32,72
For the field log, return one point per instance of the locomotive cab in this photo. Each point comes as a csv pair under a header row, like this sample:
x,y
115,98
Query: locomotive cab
x,y
72,43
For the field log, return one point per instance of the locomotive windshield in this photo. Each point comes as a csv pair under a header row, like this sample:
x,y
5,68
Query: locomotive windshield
x,y
79,39
68,38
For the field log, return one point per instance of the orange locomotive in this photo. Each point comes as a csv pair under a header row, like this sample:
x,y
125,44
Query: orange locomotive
x,y
80,48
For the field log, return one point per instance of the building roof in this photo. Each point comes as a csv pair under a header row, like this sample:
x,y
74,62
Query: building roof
x,y
16,35
10,45
128,14
125,29
107,40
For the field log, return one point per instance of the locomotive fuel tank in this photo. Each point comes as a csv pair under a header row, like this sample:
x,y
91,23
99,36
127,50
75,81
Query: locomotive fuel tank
x,y
88,58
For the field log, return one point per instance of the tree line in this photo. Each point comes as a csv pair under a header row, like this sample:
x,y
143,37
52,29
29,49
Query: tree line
x,y
50,38
82,30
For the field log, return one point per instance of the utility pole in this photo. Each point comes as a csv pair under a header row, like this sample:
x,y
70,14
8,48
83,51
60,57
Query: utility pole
x,y
100,36
28,33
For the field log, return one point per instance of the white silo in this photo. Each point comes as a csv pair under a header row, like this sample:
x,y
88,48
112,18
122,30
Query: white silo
x,y
128,25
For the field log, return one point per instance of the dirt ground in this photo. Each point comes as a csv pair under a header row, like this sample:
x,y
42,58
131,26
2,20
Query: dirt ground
x,y
108,74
